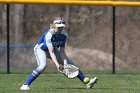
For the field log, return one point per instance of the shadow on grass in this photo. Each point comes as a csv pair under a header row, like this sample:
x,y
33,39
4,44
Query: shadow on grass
x,y
71,88
83,88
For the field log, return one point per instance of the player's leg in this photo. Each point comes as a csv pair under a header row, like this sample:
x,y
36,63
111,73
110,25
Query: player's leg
x,y
80,76
89,82
41,61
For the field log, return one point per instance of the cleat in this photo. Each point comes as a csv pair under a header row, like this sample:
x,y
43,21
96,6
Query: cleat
x,y
25,87
91,83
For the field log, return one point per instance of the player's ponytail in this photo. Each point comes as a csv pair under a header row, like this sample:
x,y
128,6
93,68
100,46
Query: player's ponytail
x,y
52,26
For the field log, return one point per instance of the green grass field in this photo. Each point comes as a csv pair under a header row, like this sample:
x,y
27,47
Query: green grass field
x,y
56,83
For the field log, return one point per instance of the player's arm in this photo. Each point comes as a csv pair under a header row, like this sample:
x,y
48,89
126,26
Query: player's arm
x,y
52,54
51,51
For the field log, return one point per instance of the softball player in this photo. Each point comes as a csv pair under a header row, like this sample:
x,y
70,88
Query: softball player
x,y
52,45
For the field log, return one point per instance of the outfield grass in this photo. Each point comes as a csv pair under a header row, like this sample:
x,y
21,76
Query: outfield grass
x,y
56,83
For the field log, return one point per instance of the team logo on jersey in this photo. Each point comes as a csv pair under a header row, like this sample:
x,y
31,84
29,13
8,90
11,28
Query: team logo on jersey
x,y
57,44
58,40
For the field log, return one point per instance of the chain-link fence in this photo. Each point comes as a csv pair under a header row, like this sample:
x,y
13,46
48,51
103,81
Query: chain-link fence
x,y
90,36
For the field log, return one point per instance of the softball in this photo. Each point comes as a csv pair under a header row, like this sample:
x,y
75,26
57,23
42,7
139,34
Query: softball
x,y
86,80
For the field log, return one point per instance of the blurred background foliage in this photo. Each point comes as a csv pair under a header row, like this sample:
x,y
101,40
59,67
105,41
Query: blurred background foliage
x,y
90,35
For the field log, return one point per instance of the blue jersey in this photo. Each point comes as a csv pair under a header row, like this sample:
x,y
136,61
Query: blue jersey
x,y
50,38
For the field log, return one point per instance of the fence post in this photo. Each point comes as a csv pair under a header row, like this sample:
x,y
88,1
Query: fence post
x,y
113,39
8,40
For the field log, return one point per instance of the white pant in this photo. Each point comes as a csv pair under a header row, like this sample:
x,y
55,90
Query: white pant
x,y
42,57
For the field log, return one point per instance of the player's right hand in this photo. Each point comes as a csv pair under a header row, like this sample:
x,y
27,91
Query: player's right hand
x,y
60,68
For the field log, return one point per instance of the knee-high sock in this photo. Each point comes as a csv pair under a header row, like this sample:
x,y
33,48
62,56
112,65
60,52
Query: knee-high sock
x,y
32,77
81,76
